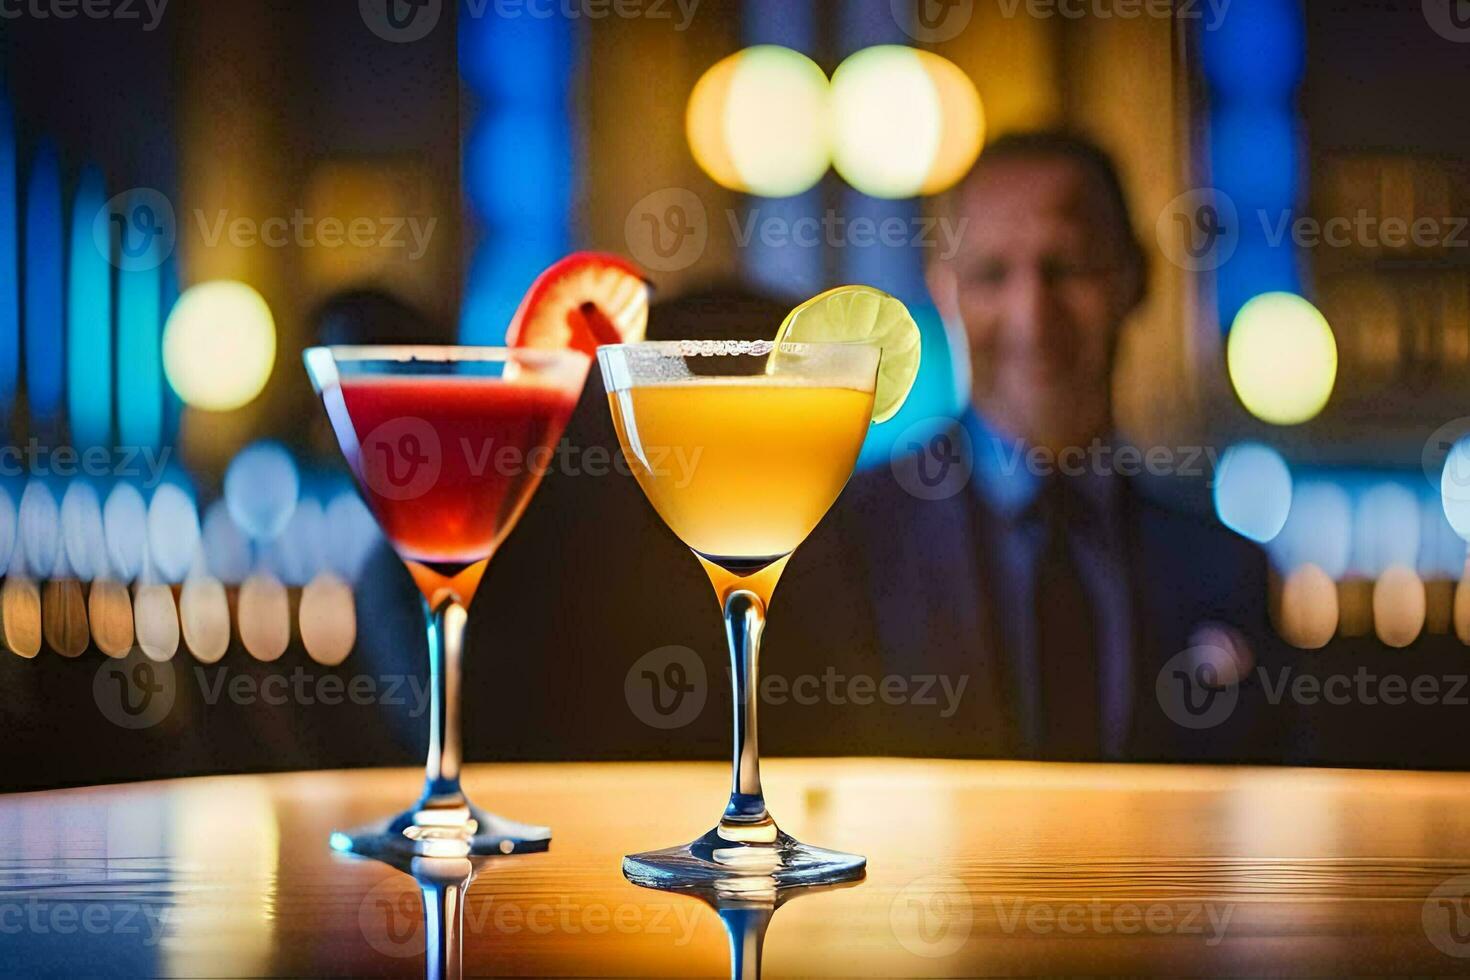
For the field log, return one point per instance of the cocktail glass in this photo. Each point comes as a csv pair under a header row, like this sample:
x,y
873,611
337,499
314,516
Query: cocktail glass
x,y
772,433
448,444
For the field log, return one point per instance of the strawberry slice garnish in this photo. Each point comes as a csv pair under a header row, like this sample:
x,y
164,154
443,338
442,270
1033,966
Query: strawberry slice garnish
x,y
582,301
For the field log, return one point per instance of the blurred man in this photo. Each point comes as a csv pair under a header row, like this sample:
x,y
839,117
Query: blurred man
x,y
1087,620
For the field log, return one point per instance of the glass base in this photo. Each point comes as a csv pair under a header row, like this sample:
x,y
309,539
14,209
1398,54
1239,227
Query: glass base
x,y
439,831
781,860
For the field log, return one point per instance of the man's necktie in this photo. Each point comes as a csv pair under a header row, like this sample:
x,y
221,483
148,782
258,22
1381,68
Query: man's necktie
x,y
1066,642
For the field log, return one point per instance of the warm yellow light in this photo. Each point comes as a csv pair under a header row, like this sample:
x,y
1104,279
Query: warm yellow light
x,y
1398,606
757,122
1282,358
1309,612
219,345
905,121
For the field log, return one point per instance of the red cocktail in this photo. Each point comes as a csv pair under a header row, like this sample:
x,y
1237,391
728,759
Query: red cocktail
x,y
448,462
447,444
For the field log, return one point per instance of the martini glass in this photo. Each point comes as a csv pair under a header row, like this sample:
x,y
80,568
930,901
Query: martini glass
x,y
448,444
768,435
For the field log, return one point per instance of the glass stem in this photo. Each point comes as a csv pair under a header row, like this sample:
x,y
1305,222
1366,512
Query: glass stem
x,y
745,619
746,929
446,644
443,929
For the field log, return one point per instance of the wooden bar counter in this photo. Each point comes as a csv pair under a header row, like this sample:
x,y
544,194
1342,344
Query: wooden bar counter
x,y
974,868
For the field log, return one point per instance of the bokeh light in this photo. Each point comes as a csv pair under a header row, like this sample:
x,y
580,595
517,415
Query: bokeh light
x,y
327,619
228,555
758,122
904,121
125,526
7,530
1441,549
1461,611
173,531
264,612
1253,491
204,616
1308,608
1318,529
296,556
40,530
110,609
1282,358
81,531
156,621
1257,51
261,487
353,534
1454,487
1385,529
1398,606
219,345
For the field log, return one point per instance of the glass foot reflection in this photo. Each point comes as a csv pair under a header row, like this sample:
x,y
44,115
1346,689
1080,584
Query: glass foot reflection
x,y
746,906
433,829
729,852
444,884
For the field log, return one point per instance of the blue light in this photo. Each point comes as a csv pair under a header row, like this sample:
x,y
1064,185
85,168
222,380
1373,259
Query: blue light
x,y
82,532
8,523
39,530
791,268
89,322
1254,58
1318,529
173,405
1253,491
792,23
262,485
125,526
526,59
139,352
519,160
936,399
1441,549
9,266
519,168
44,299
1454,487
866,255
1256,156
1256,51
498,277
1254,269
228,553
1386,528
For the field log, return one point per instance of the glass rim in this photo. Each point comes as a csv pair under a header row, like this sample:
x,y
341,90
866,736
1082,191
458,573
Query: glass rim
x,y
441,353
734,348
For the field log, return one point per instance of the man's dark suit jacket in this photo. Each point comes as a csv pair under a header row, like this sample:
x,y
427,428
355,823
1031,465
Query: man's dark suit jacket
x,y
901,586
